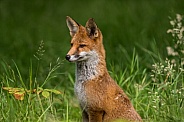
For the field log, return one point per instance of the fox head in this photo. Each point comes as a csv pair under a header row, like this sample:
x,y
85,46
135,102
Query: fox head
x,y
86,41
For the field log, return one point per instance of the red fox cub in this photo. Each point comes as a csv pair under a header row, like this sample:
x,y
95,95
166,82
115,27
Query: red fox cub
x,y
100,98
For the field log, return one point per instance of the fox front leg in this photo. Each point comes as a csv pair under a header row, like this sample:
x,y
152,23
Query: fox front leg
x,y
96,116
85,117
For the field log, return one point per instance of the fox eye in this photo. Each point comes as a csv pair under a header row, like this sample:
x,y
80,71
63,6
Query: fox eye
x,y
71,44
82,45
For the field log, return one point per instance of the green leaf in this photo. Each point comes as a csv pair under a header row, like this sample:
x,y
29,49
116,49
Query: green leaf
x,y
40,88
53,91
7,88
45,93
12,90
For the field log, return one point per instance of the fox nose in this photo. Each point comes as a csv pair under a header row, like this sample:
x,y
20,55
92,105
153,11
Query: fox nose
x,y
67,57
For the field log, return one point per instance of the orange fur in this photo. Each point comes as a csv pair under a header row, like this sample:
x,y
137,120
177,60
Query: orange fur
x,y
100,98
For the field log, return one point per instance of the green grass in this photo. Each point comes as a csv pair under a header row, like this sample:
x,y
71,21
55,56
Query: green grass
x,y
34,34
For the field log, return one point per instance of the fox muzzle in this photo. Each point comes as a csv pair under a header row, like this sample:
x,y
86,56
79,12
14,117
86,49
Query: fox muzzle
x,y
67,57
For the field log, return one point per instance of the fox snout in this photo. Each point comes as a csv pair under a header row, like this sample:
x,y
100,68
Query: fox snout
x,y
67,57
72,55
79,57
72,58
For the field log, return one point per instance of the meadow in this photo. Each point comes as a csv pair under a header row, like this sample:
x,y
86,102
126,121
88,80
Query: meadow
x,y
144,53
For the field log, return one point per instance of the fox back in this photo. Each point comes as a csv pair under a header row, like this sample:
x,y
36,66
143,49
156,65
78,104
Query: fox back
x,y
100,98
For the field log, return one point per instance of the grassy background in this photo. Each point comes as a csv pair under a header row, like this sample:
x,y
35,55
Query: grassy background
x,y
126,25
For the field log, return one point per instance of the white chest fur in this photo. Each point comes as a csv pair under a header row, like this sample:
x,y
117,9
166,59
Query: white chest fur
x,y
85,71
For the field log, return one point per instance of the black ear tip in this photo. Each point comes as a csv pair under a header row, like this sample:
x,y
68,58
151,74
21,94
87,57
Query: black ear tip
x,y
91,19
91,23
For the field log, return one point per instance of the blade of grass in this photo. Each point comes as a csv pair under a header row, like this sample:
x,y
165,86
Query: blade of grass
x,y
19,74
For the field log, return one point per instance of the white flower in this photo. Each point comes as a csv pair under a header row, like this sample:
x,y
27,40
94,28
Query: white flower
x,y
170,51
178,17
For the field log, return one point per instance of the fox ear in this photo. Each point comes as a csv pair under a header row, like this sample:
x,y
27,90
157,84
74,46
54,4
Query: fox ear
x,y
72,25
91,28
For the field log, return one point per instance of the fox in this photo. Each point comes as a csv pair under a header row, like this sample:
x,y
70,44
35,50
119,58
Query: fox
x,y
101,99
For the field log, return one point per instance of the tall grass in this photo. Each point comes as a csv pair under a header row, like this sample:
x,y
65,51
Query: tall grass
x,y
31,102
23,100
